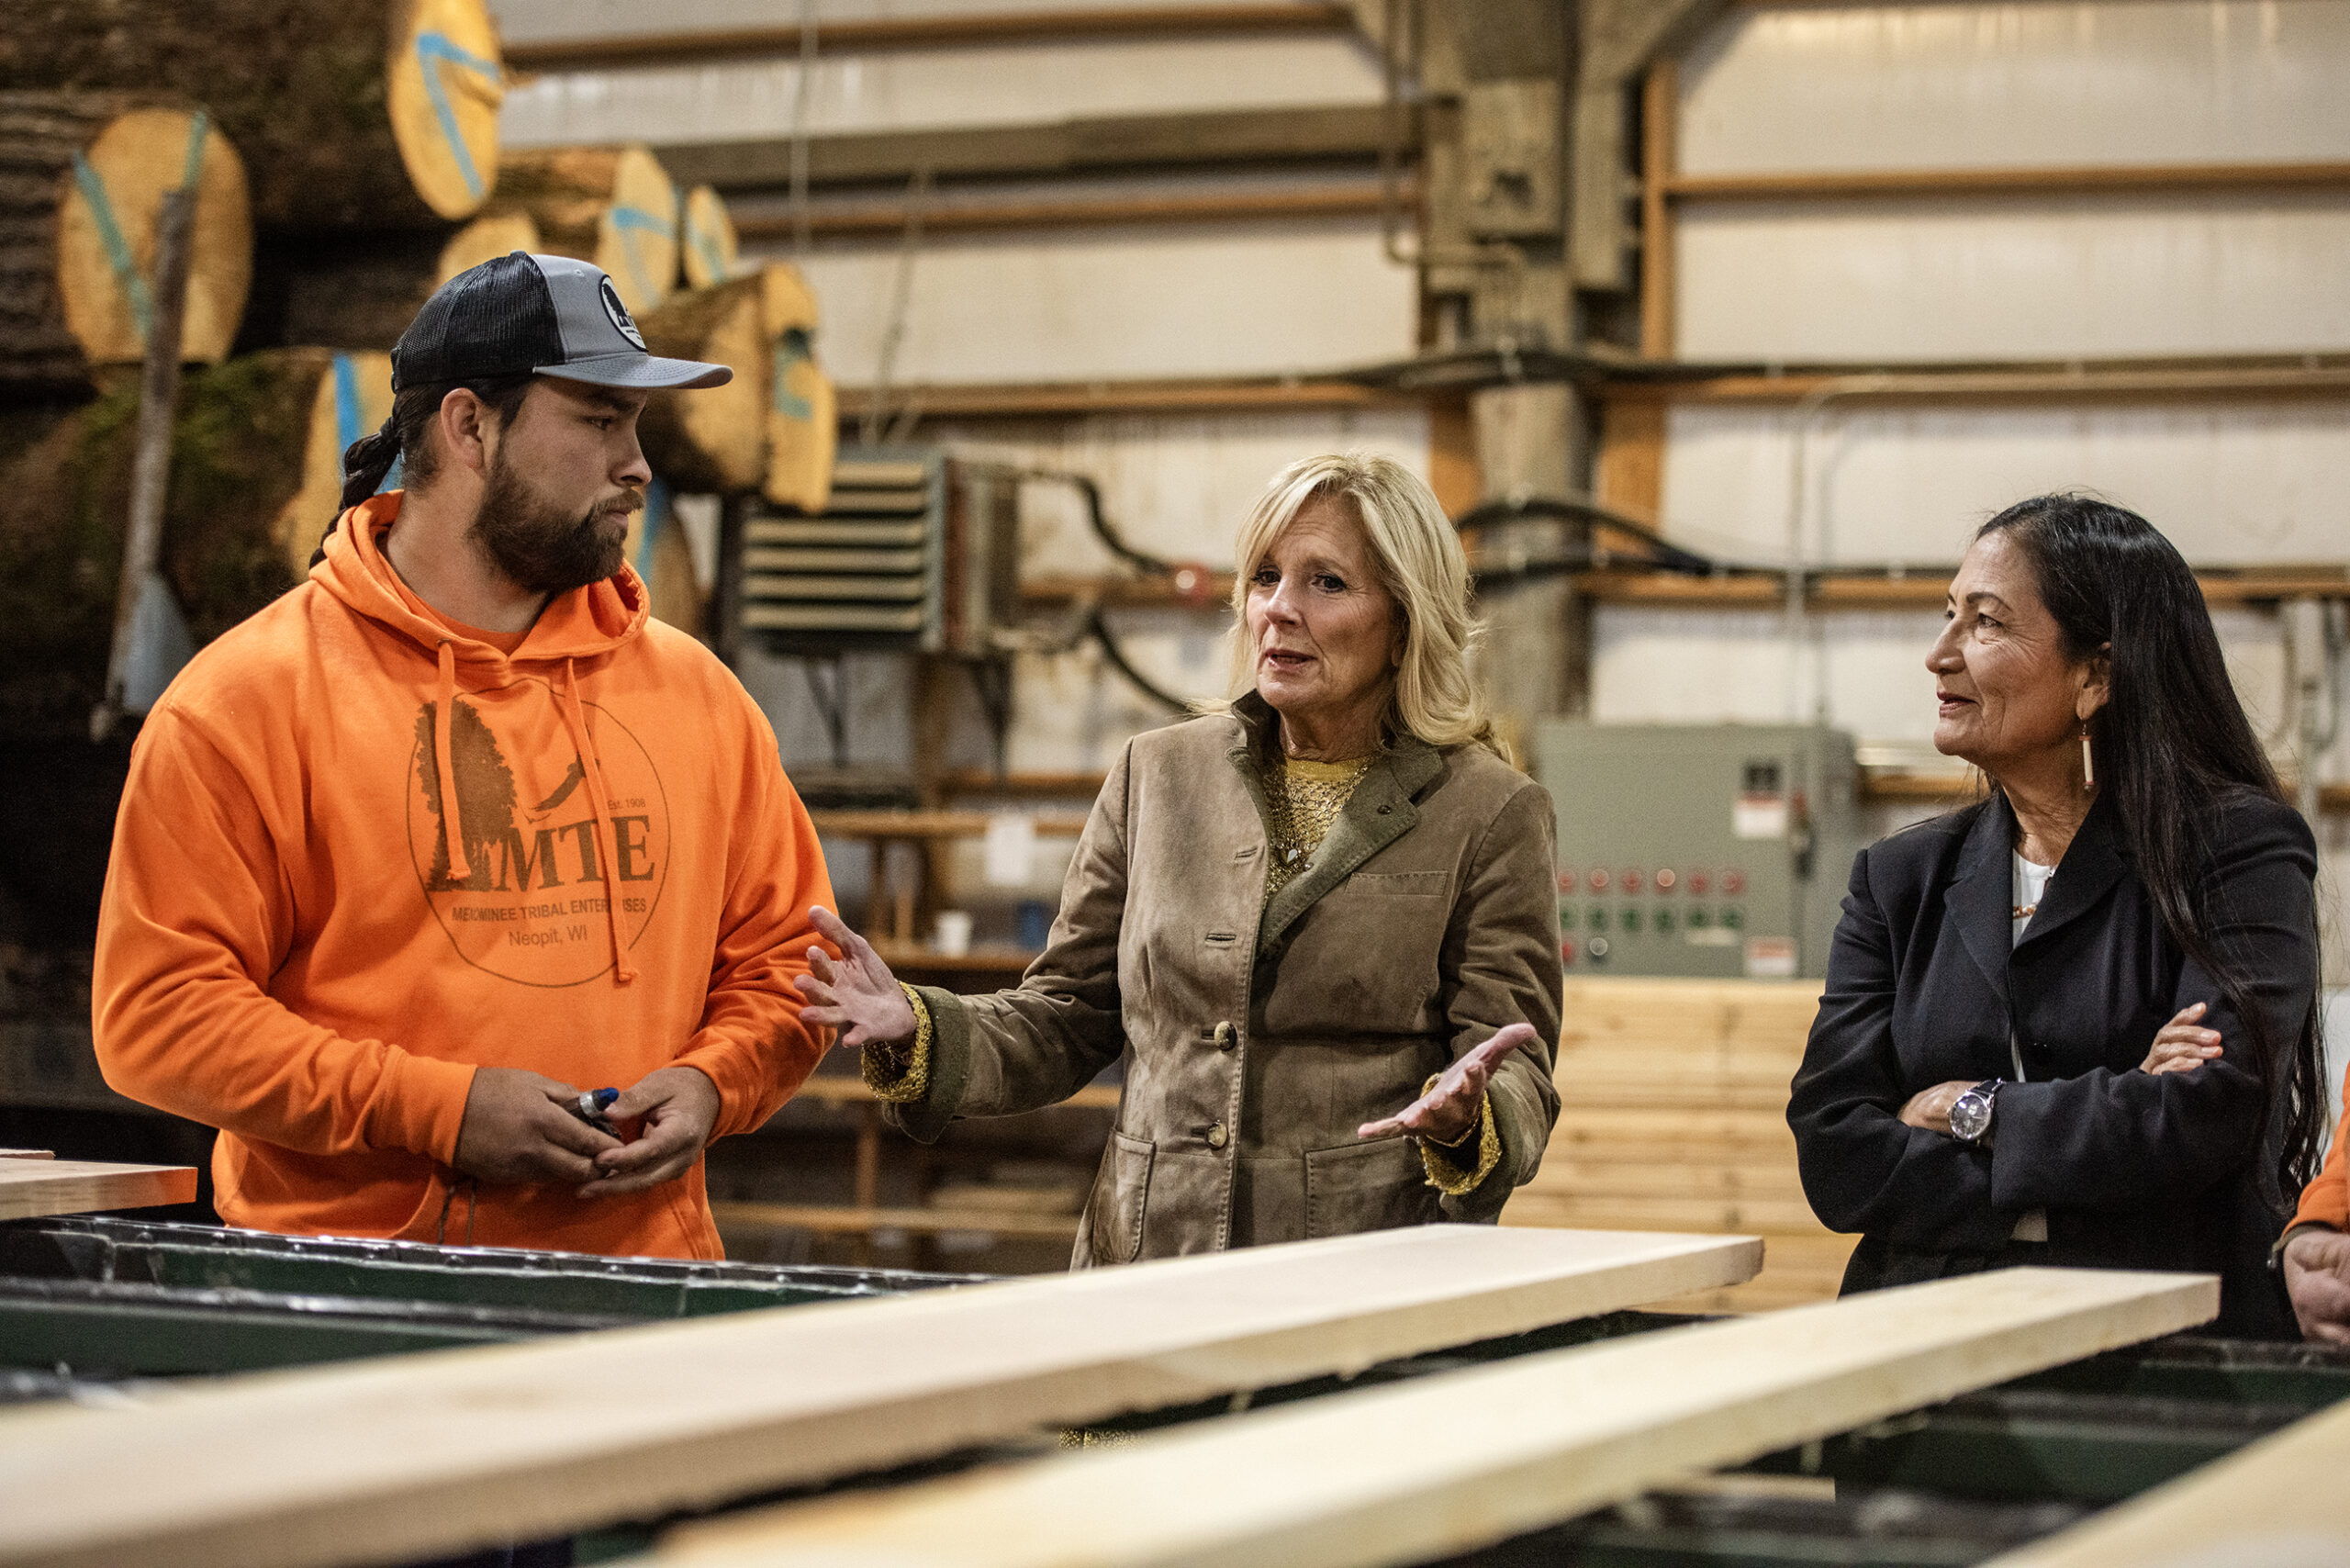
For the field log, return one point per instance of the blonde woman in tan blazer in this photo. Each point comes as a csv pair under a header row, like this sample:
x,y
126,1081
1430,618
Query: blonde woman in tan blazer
x,y
1318,922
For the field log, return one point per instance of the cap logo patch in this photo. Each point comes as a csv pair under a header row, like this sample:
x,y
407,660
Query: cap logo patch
x,y
619,313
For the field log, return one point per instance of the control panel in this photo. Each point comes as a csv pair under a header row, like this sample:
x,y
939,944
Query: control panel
x,y
1714,850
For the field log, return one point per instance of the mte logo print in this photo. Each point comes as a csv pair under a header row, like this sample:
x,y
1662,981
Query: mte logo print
x,y
530,907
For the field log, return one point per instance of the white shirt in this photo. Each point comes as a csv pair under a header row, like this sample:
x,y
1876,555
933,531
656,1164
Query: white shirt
x,y
2029,885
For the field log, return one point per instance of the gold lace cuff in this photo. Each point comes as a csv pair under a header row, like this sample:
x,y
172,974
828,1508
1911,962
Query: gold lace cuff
x,y
1448,1173
899,1072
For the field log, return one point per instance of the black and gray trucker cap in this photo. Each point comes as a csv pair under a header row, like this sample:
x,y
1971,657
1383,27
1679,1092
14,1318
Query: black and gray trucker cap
x,y
524,314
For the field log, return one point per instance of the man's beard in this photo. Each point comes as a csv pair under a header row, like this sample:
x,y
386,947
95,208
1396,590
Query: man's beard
x,y
540,548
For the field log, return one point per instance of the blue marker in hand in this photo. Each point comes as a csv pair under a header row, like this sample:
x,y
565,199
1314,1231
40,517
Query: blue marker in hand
x,y
591,1105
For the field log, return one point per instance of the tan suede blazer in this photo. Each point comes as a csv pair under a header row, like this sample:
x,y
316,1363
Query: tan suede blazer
x,y
1257,1035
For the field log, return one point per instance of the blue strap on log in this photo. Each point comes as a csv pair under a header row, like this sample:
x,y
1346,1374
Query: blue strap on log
x,y
433,49
126,268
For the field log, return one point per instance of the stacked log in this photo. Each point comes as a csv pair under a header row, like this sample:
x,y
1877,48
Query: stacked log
x,y
485,240
359,292
802,419
710,252
657,550
83,177
611,206
353,114
256,470
711,440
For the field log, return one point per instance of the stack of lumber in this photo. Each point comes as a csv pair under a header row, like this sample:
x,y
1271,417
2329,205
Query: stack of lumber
x,y
1674,1118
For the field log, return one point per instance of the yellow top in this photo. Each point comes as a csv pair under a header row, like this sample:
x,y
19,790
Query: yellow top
x,y
1305,800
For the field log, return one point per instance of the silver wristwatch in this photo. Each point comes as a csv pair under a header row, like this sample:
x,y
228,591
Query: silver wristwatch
x,y
1970,1113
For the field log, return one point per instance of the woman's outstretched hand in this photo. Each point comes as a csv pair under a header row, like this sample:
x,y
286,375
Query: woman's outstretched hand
x,y
858,996
1448,1109
2180,1045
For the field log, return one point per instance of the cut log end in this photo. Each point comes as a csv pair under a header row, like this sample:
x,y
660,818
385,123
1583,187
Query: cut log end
x,y
711,253
611,206
443,83
786,299
485,240
109,197
712,441
352,399
803,428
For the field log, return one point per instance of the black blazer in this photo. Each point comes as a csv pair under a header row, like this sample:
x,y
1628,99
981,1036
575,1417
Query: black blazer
x,y
2135,1170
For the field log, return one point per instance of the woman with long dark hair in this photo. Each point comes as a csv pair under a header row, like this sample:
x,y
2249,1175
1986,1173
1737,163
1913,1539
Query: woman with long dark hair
x,y
2075,1023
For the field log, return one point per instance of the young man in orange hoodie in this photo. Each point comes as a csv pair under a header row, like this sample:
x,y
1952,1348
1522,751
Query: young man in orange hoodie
x,y
453,831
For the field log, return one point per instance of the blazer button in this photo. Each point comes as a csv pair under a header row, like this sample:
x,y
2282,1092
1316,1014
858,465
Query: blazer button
x,y
1217,1136
1226,1037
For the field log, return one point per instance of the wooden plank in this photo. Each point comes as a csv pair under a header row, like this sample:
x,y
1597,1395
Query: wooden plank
x,y
1454,472
1660,163
1920,590
1630,477
890,220
1360,1478
872,35
2272,1504
1311,133
32,1188
2111,382
1021,400
1842,185
419,1456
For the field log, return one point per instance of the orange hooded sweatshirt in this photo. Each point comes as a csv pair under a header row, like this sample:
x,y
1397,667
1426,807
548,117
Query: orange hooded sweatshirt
x,y
292,948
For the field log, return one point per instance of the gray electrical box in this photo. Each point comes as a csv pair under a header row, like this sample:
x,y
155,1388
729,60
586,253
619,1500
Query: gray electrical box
x,y
1704,850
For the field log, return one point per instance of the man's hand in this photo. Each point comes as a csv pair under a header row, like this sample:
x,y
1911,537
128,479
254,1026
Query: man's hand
x,y
2180,1045
518,1129
859,996
1930,1108
1446,1112
2317,1276
675,1107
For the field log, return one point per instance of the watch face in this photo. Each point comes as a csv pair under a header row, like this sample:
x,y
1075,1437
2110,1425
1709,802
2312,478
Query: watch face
x,y
1971,1114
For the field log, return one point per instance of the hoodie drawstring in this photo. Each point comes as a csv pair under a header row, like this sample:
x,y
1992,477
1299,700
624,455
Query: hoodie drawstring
x,y
607,843
451,830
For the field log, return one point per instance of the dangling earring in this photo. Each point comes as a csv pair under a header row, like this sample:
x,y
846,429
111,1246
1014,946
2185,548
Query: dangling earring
x,y
2089,762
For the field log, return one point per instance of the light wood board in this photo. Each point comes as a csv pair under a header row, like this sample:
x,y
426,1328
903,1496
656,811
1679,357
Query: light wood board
x,y
1441,1465
2273,1504
32,1188
418,1456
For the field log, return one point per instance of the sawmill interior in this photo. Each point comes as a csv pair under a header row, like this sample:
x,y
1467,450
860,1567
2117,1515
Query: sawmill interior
x,y
1624,1053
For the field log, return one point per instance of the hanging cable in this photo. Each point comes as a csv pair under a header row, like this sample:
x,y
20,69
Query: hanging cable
x,y
1100,631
